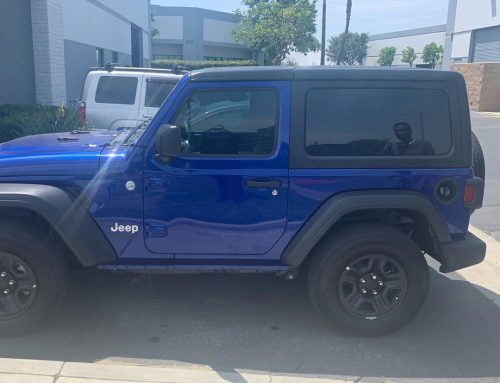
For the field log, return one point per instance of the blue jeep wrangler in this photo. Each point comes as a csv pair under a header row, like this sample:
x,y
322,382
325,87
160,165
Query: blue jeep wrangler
x,y
345,176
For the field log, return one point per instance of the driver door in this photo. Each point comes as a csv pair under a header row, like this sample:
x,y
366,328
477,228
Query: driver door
x,y
226,195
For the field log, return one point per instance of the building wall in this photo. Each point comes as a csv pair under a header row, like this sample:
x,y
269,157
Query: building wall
x,y
415,38
16,45
465,17
483,85
48,51
103,24
476,14
194,34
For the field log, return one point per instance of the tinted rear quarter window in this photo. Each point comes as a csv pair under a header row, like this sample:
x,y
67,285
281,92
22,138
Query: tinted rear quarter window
x,y
157,92
116,90
377,122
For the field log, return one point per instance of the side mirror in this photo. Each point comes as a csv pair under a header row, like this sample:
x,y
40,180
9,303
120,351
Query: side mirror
x,y
168,142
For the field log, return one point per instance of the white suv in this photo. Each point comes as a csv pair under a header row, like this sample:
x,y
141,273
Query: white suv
x,y
116,98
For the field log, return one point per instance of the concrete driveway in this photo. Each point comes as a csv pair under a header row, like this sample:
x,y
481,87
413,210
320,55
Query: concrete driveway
x,y
487,128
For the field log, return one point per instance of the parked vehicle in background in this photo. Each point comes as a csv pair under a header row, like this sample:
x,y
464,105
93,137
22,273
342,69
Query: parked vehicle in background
x,y
117,98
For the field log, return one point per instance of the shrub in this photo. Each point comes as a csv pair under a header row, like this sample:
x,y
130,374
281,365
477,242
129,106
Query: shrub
x,y
24,120
194,65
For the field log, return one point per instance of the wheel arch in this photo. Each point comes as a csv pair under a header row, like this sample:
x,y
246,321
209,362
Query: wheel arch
x,y
67,216
337,208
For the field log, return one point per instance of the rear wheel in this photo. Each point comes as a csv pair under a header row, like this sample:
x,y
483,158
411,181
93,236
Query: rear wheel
x,y
33,277
368,279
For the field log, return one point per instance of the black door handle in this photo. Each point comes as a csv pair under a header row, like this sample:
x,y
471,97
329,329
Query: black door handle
x,y
263,184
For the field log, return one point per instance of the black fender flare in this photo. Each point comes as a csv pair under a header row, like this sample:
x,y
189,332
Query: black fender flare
x,y
341,204
69,217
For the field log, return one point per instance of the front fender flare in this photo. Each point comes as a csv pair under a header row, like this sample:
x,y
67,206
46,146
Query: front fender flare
x,y
69,218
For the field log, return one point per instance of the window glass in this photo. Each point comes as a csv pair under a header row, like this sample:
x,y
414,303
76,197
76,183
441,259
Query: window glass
x,y
228,122
116,90
157,92
377,122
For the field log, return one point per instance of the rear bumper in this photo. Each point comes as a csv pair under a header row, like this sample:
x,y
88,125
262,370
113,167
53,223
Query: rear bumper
x,y
457,255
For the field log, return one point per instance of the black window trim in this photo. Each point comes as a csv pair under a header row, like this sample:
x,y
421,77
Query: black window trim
x,y
237,89
300,159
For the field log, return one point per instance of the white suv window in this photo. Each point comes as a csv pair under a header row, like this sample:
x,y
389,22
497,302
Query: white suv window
x,y
157,91
116,90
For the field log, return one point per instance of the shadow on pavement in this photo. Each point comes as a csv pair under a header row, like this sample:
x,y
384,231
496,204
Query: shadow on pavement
x,y
259,322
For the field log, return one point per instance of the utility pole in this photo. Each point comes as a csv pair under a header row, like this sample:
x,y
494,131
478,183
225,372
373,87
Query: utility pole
x,y
323,35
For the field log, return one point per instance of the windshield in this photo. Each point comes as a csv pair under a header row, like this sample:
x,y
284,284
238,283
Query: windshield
x,y
130,136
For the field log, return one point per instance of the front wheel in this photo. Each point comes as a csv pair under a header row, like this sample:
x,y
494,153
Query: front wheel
x,y
368,279
33,277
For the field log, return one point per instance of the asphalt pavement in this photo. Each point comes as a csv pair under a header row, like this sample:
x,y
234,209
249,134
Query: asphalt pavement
x,y
487,128
234,323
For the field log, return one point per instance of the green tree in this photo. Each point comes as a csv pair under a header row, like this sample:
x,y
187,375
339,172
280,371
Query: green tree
x,y
154,31
409,56
340,58
278,27
355,50
386,56
432,54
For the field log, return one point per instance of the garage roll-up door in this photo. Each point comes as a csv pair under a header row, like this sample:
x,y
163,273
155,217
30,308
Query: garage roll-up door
x,y
487,45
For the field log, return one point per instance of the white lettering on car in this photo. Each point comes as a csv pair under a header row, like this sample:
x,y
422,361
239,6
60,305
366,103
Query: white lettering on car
x,y
117,228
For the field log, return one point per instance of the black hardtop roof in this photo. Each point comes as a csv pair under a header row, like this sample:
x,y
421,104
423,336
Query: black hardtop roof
x,y
321,73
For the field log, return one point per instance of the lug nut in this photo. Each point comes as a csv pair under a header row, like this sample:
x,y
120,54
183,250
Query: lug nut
x,y
364,291
374,292
363,281
380,283
374,277
6,291
12,283
3,274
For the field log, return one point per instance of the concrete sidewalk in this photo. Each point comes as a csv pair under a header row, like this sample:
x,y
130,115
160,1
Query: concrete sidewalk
x,y
36,371
484,277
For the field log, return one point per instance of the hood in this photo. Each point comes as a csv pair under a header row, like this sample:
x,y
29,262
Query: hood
x,y
56,142
54,154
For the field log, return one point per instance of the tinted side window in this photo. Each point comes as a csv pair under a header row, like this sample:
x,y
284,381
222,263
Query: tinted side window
x,y
229,122
157,92
116,90
377,122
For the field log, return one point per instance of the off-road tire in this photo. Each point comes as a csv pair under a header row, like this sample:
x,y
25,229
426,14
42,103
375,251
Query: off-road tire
x,y
43,255
340,249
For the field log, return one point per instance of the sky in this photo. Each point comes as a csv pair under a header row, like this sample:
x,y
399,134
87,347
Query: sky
x,y
372,16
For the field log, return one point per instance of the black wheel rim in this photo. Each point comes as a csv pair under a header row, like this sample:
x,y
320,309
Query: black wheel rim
x,y
372,286
18,286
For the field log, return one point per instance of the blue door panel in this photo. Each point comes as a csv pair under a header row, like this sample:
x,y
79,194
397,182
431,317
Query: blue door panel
x,y
213,207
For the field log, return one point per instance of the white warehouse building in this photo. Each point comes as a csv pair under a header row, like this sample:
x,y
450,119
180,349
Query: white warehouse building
x,y
48,45
471,34
415,38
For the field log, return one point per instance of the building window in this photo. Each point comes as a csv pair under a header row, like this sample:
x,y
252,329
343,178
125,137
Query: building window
x,y
215,58
99,57
167,57
114,57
